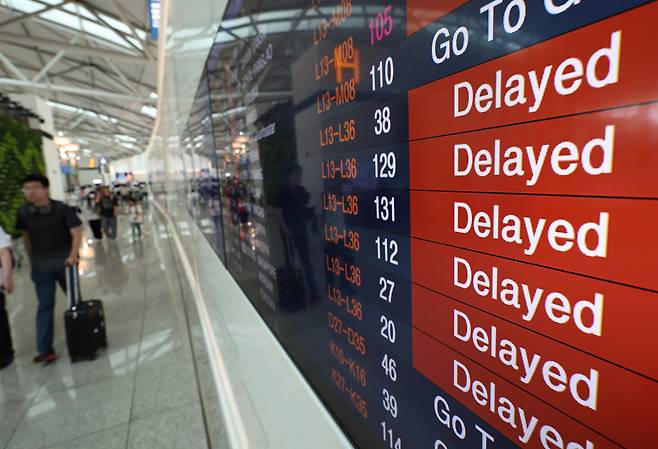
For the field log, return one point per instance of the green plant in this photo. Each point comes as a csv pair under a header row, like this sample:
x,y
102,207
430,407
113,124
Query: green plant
x,y
20,154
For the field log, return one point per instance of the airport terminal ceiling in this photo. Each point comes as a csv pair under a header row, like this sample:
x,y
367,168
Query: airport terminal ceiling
x,y
93,61
444,211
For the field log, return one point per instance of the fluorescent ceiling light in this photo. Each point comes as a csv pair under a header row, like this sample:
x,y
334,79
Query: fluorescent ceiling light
x,y
71,148
86,112
149,110
63,107
125,138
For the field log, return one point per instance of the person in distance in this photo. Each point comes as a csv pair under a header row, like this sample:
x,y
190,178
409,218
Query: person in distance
x,y
136,218
52,236
107,208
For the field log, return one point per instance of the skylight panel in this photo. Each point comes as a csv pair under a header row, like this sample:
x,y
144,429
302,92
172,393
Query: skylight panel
x,y
104,33
24,6
94,29
135,42
62,18
75,9
116,24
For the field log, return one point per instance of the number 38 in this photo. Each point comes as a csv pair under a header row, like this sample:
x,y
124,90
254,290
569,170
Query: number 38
x,y
383,121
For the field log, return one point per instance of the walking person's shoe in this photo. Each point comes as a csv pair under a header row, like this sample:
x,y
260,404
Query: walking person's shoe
x,y
46,358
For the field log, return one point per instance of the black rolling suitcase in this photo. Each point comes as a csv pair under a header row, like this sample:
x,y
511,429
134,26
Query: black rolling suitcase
x,y
289,281
290,287
84,321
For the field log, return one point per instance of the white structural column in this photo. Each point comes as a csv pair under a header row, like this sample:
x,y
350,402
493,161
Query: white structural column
x,y
50,154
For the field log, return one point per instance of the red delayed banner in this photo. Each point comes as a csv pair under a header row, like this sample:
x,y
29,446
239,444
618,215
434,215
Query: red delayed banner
x,y
612,239
610,153
421,13
602,66
524,419
611,321
582,386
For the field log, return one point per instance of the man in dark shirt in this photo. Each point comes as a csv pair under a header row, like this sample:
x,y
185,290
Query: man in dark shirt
x,y
107,209
293,200
52,236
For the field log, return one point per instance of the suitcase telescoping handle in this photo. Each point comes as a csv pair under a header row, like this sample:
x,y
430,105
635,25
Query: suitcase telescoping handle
x,y
72,285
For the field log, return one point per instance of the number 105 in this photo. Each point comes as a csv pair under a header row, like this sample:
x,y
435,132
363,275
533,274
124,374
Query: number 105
x,y
381,26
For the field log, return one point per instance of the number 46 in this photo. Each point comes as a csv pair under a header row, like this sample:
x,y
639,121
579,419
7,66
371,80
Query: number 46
x,y
390,367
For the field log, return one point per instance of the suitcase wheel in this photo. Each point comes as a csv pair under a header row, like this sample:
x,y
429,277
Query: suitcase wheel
x,y
87,358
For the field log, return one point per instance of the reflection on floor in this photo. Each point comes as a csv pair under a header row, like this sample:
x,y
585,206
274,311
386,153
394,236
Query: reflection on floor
x,y
141,393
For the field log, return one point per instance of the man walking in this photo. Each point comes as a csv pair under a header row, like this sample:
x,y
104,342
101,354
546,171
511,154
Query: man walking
x,y
6,287
107,209
52,236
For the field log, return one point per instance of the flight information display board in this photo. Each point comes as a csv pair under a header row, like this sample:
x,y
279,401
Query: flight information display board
x,y
446,211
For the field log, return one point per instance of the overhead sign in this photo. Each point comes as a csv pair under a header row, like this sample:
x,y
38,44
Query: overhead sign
x,y
154,17
464,255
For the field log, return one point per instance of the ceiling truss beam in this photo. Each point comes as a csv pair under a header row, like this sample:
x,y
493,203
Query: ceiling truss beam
x,y
71,62
54,60
119,34
125,20
12,67
70,89
71,48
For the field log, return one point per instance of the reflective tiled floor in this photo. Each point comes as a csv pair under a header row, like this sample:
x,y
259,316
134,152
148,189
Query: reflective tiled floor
x,y
140,393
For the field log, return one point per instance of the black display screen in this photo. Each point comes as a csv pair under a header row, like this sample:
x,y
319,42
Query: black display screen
x,y
420,198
